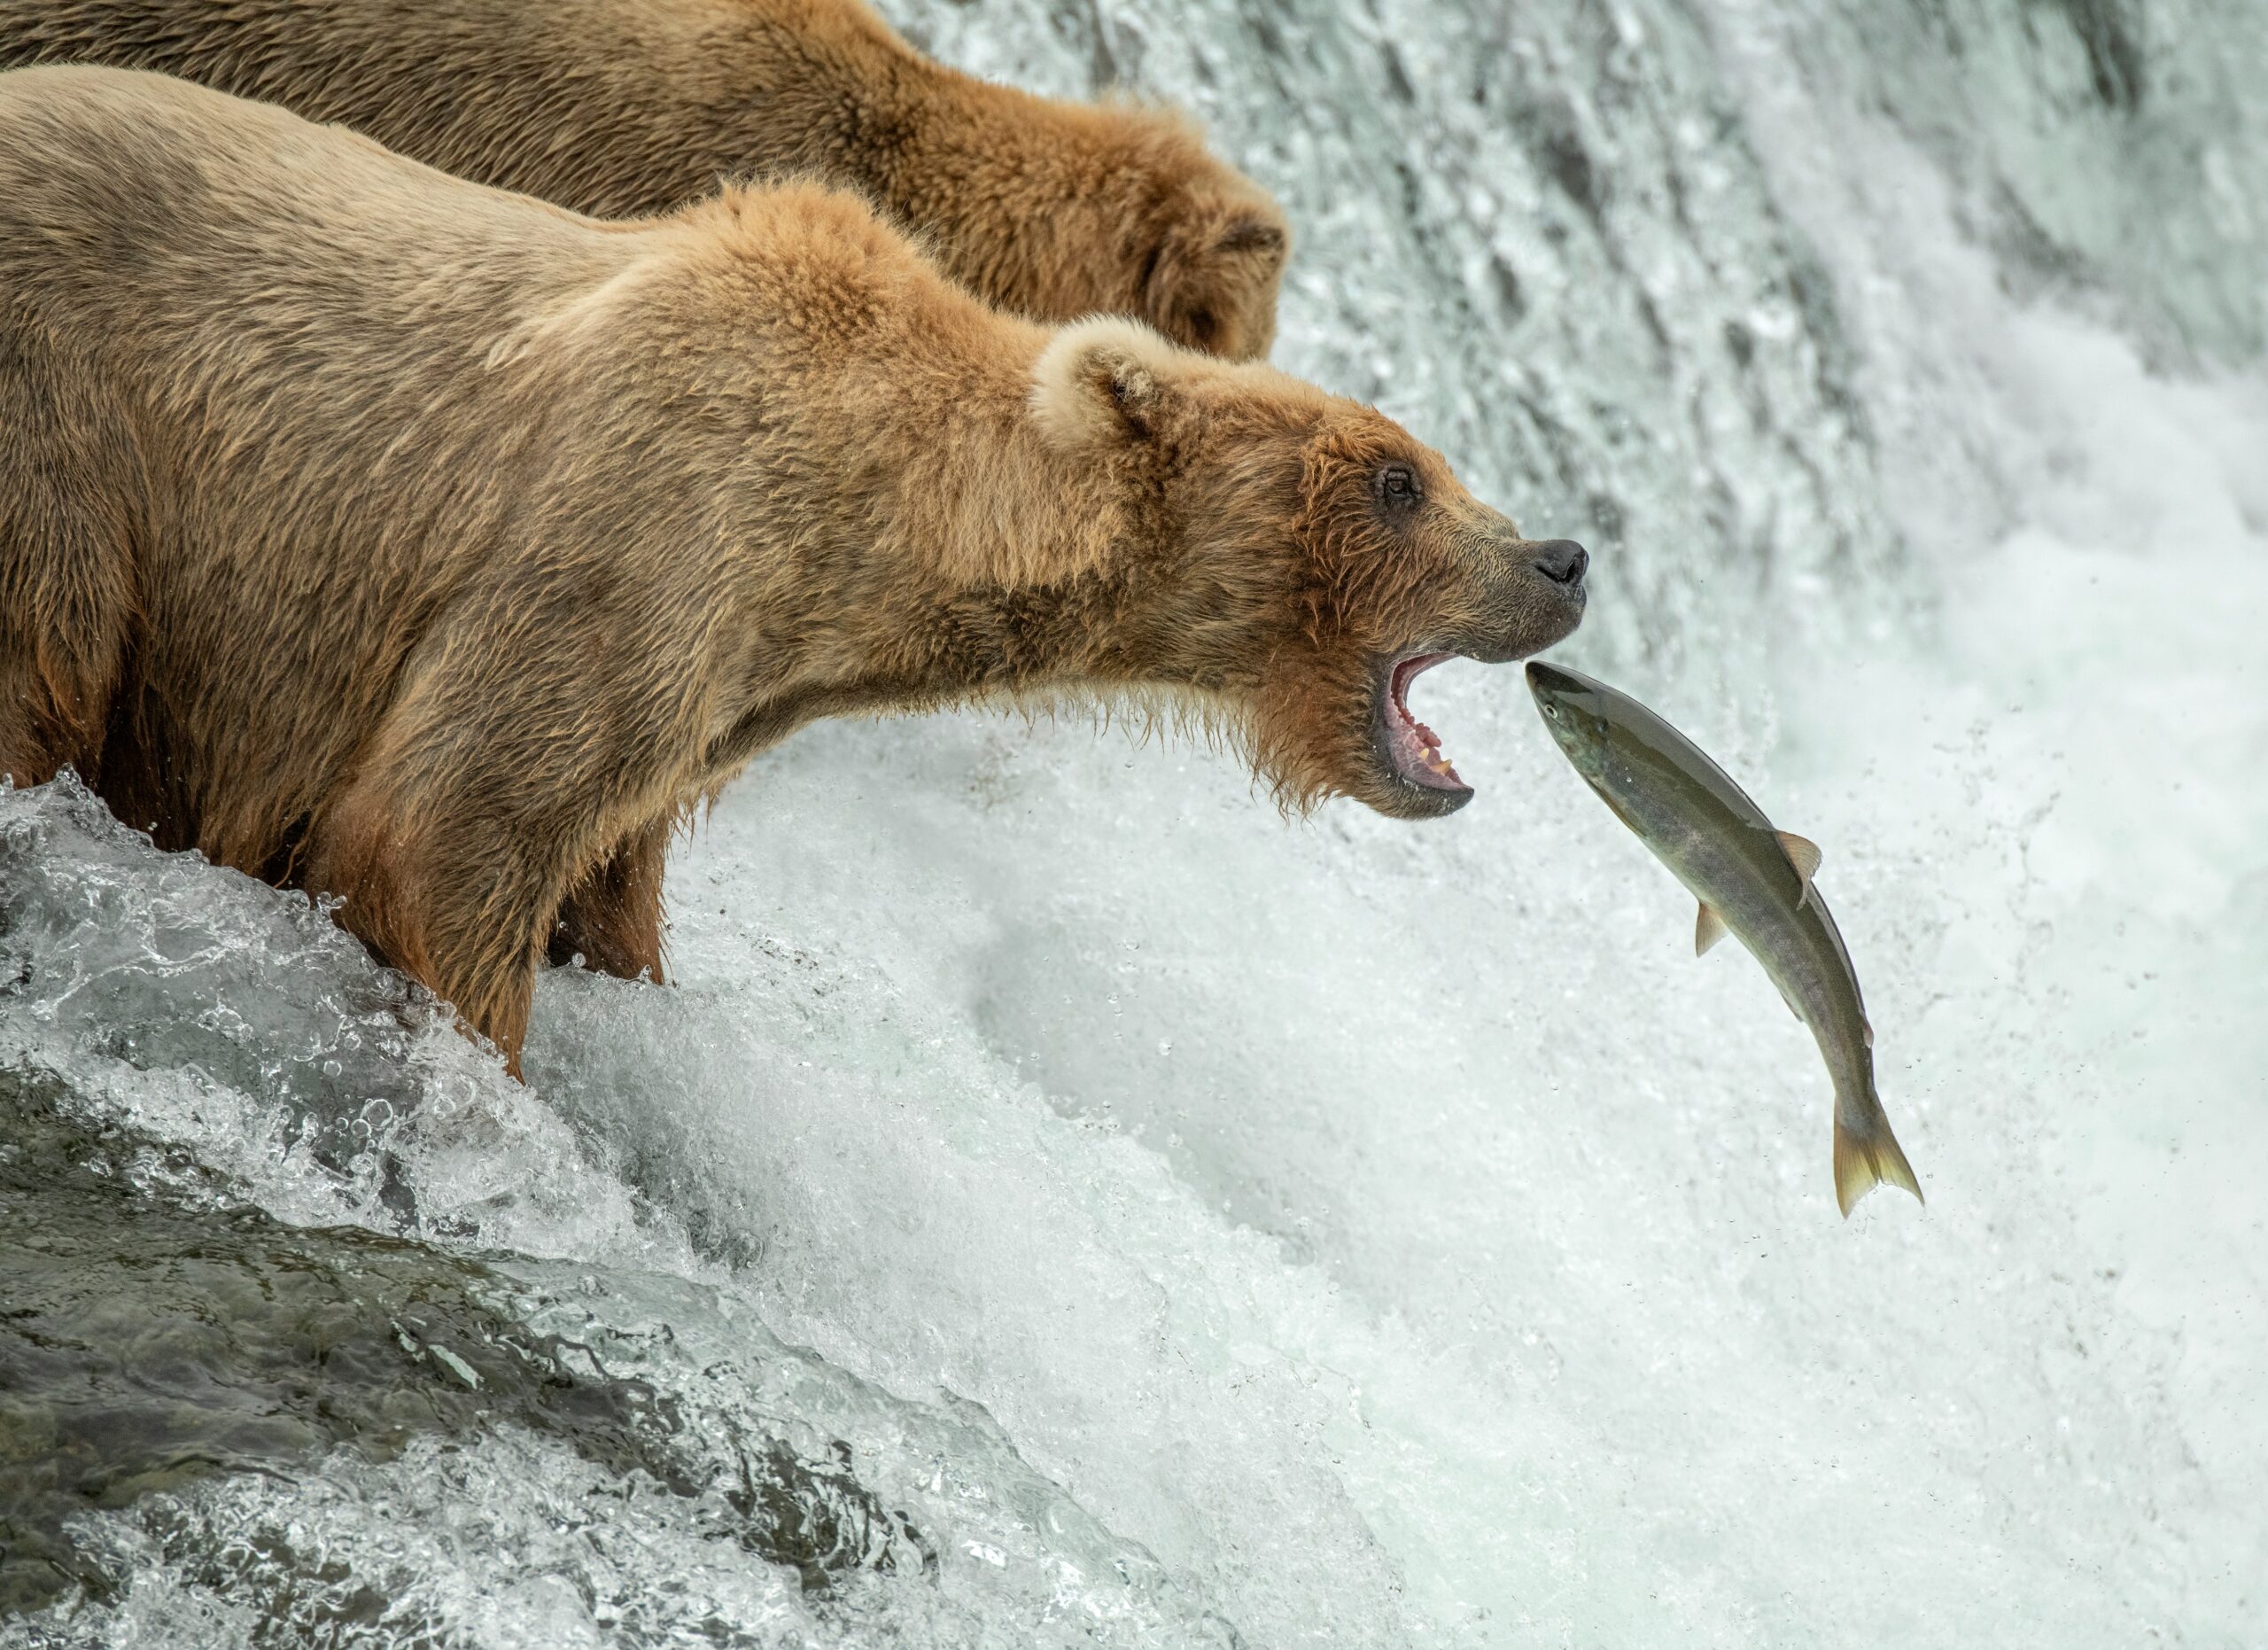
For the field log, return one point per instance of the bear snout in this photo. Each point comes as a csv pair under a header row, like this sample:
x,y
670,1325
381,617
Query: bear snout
x,y
1525,596
1563,561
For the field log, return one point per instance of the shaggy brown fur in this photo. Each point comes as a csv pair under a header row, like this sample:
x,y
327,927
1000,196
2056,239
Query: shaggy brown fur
x,y
393,537
622,108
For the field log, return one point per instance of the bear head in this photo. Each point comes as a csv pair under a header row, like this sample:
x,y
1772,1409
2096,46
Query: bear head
x,y
1292,560
1116,208
1215,263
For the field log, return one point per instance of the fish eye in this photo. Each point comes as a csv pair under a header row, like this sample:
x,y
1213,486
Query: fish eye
x,y
1552,711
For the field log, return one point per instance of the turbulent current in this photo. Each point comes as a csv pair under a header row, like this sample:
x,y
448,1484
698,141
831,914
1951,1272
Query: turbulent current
x,y
1062,1202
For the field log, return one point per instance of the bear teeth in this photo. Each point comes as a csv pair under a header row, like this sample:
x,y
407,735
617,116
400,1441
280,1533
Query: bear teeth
x,y
1417,748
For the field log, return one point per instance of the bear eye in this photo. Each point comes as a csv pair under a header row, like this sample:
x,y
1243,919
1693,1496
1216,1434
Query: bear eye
x,y
1397,486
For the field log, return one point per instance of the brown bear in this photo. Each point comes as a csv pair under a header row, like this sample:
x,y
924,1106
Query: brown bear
x,y
392,537
623,108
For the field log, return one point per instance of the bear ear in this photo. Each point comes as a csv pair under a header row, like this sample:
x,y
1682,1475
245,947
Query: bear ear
x,y
1246,230
1103,380
1215,259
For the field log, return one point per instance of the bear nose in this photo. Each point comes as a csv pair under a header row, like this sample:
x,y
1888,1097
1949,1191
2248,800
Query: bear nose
x,y
1560,560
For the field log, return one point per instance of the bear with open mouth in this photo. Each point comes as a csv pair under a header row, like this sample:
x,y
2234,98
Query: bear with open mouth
x,y
399,539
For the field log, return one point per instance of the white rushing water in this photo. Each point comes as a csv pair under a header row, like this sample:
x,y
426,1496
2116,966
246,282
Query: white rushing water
x,y
1208,1229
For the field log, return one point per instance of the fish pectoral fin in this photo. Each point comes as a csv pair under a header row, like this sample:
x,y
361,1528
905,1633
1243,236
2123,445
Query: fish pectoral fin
x,y
1866,1031
1790,1001
1803,854
1619,812
1708,928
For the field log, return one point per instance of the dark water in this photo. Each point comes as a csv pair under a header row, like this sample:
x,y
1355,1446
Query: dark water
x,y
155,1330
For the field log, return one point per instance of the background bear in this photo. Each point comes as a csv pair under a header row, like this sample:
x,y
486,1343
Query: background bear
x,y
1054,210
409,541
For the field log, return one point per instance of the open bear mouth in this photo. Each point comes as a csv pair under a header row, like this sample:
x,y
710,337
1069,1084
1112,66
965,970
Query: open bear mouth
x,y
1413,751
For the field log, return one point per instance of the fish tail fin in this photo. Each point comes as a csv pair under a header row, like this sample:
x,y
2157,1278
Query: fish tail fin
x,y
1866,1160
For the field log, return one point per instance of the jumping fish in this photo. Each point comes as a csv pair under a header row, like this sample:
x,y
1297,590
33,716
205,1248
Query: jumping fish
x,y
1750,879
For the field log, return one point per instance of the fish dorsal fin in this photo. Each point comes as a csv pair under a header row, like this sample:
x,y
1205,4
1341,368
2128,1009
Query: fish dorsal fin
x,y
1708,928
1803,854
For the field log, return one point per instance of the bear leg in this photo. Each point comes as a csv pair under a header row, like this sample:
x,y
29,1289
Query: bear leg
x,y
67,578
613,917
57,678
26,756
453,902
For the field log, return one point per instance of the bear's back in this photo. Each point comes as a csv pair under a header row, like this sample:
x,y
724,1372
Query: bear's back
x,y
132,204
